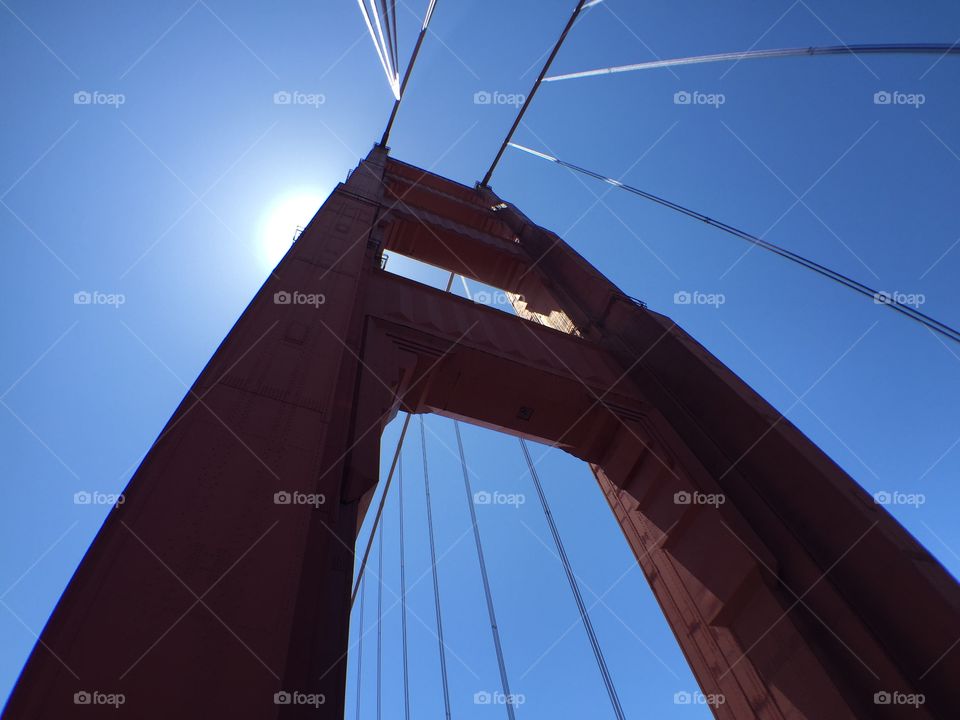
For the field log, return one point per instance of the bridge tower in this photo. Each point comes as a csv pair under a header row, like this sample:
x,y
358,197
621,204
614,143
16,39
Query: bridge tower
x,y
203,596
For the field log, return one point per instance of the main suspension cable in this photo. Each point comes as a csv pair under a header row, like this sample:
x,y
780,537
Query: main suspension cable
x,y
574,587
533,91
383,500
433,573
390,33
880,298
381,52
406,75
915,49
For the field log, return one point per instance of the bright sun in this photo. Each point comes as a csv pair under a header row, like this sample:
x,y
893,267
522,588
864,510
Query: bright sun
x,y
281,219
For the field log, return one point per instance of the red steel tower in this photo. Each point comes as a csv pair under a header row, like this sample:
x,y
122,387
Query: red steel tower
x,y
205,594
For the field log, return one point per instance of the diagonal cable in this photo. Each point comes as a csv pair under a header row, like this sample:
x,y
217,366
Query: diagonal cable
x,y
878,297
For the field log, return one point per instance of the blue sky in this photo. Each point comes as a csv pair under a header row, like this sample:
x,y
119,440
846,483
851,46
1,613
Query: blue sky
x,y
176,187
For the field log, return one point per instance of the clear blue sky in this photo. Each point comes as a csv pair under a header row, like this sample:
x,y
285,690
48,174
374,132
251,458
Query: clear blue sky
x,y
178,198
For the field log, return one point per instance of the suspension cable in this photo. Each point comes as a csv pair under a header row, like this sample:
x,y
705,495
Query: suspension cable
x,y
363,596
880,298
915,49
433,573
508,699
385,42
581,606
406,74
380,619
533,91
389,20
381,53
376,519
403,599
396,41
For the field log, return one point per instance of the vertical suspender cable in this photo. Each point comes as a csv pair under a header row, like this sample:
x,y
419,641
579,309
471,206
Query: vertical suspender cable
x,y
561,551
360,647
380,621
508,699
403,600
533,91
501,663
376,519
433,572
584,615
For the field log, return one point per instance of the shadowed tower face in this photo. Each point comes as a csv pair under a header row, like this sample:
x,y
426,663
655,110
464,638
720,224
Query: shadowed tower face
x,y
791,593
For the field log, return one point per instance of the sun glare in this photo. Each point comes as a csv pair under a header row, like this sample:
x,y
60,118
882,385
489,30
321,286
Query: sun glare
x,y
282,220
